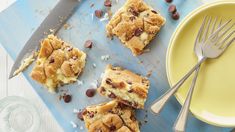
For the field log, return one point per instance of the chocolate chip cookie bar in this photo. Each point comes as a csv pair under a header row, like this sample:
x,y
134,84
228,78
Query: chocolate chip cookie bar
x,y
125,86
110,117
135,24
58,63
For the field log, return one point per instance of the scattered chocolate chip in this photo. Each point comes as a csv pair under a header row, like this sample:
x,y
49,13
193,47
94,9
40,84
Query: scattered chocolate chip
x,y
98,13
52,60
168,1
107,3
138,32
172,9
175,16
67,98
92,5
112,128
153,11
90,92
108,81
88,44
80,115
112,95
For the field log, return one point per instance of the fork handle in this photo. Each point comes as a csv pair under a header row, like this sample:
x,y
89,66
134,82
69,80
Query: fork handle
x,y
158,104
181,120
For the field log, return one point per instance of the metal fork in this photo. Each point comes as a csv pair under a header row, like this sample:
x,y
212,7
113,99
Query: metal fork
x,y
211,48
181,120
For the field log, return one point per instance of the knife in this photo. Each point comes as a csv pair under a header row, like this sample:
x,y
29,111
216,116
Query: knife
x,y
53,22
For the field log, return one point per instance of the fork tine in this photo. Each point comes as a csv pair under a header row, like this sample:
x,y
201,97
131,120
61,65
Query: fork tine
x,y
226,38
228,44
213,27
200,31
221,28
224,32
207,28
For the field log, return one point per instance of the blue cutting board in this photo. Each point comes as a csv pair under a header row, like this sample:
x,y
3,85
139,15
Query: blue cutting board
x,y
19,21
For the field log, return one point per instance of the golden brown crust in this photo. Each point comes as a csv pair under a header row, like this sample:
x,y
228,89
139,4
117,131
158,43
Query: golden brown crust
x,y
125,86
110,116
135,24
58,63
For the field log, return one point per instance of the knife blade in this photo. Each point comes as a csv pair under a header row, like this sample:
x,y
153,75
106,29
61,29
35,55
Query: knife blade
x,y
54,21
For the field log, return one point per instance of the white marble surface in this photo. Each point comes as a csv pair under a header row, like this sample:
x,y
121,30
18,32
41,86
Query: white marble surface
x,y
18,86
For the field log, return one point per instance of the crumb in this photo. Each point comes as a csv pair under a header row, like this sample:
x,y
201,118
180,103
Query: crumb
x,y
75,111
105,17
67,26
149,73
73,124
92,5
94,65
105,57
52,30
79,82
94,84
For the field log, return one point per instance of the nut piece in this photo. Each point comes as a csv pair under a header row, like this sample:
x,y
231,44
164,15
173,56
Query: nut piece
x,y
113,121
98,126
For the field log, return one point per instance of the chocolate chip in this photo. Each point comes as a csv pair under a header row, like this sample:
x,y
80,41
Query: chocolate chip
x,y
132,18
138,32
88,44
67,98
153,11
130,91
168,1
172,9
112,128
129,82
52,60
175,16
70,48
108,81
91,114
112,95
80,115
102,90
98,13
90,92
107,3
133,11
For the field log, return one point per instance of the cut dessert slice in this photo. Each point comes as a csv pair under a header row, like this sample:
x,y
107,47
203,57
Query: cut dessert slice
x,y
125,86
111,116
135,24
58,63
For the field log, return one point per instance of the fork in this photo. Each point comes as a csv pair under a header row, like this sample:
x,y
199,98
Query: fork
x,y
212,47
181,120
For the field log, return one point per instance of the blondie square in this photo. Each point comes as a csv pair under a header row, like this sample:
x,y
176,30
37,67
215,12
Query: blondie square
x,y
58,63
125,86
110,117
135,24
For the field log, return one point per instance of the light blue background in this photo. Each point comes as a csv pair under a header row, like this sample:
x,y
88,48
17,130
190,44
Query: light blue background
x,y
18,22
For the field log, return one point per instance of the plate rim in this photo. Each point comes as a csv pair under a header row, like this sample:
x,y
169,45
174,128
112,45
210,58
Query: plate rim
x,y
169,49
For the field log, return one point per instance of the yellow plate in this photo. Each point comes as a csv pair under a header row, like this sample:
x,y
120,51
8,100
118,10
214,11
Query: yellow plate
x,y
214,96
